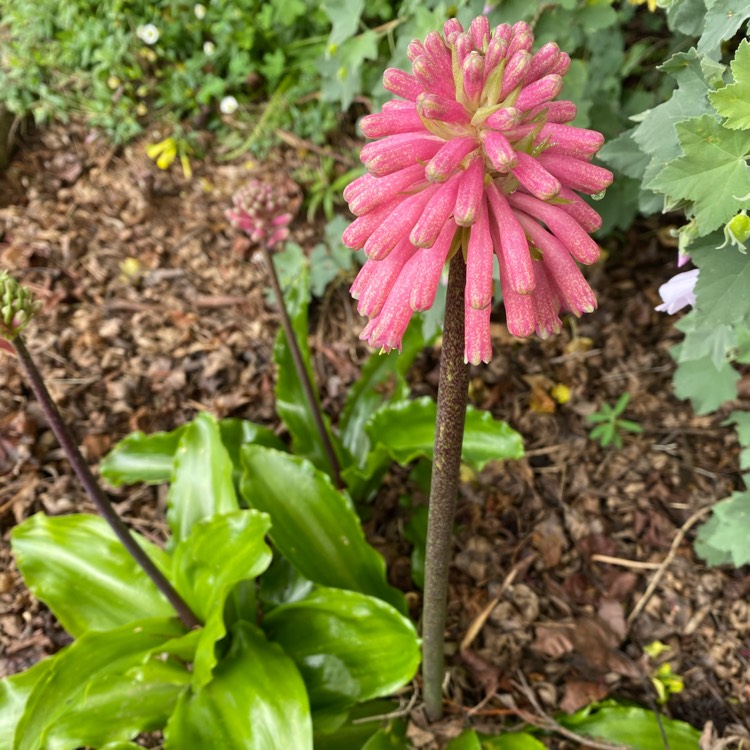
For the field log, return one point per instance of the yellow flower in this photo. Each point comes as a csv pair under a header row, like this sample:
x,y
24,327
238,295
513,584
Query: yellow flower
x,y
652,6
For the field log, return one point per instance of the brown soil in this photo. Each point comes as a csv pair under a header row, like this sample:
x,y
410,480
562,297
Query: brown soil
x,y
154,309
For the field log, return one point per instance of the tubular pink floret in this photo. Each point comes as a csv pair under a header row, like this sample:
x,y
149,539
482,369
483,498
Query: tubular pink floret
x,y
400,222
577,174
480,32
473,72
452,26
431,261
510,242
504,119
371,192
478,342
358,232
447,160
522,39
574,290
562,225
562,65
499,151
470,193
496,51
571,141
414,50
479,262
580,210
557,111
515,72
436,49
535,178
436,213
546,304
391,122
377,277
402,84
538,92
431,75
544,58
391,155
436,107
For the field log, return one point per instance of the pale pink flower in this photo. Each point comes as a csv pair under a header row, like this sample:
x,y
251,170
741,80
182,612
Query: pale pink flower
x,y
261,211
678,292
475,157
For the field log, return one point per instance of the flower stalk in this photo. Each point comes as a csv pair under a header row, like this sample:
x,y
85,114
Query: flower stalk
x,y
449,432
94,491
302,373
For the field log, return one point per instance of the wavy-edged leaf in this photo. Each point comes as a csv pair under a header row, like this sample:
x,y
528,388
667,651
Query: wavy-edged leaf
x,y
202,483
407,430
256,701
150,458
14,694
632,726
348,647
142,458
313,525
220,552
354,732
291,402
76,565
107,686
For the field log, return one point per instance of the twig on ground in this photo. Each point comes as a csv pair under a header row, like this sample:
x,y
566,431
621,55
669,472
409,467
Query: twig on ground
x,y
623,563
666,563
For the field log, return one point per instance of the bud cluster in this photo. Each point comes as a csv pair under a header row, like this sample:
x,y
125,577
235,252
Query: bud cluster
x,y
17,307
476,154
261,210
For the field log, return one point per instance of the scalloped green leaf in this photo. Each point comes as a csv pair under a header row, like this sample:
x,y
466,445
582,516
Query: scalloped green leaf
x,y
78,567
712,171
256,701
722,21
733,101
348,647
725,537
220,552
202,483
107,686
314,525
407,430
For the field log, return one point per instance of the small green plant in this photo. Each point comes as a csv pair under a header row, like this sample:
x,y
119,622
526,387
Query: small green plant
x,y
609,426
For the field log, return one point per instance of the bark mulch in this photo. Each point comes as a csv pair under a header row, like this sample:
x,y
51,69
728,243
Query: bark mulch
x,y
567,562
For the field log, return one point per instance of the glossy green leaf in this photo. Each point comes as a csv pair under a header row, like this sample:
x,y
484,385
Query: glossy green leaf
x,y
282,583
358,726
106,686
381,381
220,552
725,538
14,694
348,647
632,726
407,430
142,458
392,737
511,741
467,740
202,483
256,701
291,402
78,567
150,458
313,525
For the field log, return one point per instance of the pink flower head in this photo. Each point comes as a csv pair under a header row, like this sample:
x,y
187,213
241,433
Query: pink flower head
x,y
261,210
475,156
678,292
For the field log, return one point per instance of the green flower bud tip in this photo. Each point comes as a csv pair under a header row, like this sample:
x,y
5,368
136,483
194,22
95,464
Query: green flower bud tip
x,y
17,307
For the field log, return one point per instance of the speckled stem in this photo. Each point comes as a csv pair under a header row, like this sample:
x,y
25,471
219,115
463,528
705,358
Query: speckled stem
x,y
302,373
94,491
449,434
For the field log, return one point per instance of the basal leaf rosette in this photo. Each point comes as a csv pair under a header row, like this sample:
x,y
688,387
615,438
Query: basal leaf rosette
x,y
475,155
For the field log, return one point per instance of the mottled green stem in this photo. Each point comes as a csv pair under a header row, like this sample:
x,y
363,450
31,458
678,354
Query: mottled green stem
x,y
94,491
302,373
446,465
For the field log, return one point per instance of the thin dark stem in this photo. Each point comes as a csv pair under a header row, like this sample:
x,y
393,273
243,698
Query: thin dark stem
x,y
446,464
302,373
94,491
